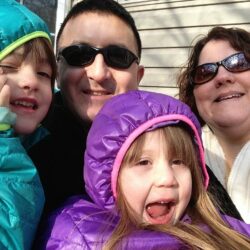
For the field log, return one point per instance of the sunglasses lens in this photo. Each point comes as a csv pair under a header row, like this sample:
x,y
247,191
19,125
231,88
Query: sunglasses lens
x,y
78,55
82,55
204,73
118,57
236,63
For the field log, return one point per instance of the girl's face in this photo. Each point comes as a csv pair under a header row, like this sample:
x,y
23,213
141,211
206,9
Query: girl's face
x,y
157,187
29,84
223,101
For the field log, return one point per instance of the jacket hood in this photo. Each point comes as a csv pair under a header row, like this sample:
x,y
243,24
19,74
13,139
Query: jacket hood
x,y
121,120
18,25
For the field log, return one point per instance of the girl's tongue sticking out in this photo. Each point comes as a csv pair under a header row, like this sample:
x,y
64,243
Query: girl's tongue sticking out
x,y
160,212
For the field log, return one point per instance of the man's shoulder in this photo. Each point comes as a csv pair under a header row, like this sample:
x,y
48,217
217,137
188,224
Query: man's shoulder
x,y
59,118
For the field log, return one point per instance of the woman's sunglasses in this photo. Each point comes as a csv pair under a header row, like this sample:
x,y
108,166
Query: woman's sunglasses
x,y
206,72
82,55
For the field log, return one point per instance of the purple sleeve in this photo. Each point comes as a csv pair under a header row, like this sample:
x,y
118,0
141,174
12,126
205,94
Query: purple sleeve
x,y
82,225
238,225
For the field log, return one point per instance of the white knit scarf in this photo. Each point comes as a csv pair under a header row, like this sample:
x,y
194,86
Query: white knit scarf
x,y
238,183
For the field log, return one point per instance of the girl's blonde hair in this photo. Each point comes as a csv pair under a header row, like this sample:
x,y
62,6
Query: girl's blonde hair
x,y
200,209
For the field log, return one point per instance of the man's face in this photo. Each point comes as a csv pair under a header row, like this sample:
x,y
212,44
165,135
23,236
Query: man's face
x,y
86,89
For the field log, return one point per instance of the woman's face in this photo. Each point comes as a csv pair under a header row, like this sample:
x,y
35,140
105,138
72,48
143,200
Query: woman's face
x,y
224,101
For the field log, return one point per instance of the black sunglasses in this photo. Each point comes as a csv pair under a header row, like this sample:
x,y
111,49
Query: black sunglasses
x,y
82,55
206,72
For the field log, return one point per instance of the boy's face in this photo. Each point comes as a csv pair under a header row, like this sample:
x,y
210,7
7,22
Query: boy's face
x,y
157,187
86,89
28,85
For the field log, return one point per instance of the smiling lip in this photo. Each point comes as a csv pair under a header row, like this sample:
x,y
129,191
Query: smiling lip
x,y
228,96
27,104
96,92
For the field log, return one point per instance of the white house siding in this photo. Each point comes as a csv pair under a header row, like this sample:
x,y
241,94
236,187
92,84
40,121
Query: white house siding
x,y
167,29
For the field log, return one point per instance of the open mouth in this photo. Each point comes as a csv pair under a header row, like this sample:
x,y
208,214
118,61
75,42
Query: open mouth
x,y
160,212
228,97
24,104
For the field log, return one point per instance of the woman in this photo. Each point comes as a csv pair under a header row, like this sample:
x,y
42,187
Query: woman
x,y
216,85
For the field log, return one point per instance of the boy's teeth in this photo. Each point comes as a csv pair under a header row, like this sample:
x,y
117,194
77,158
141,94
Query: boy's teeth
x,y
26,104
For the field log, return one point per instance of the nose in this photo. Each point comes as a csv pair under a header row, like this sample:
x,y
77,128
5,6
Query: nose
x,y
29,79
223,77
164,175
98,70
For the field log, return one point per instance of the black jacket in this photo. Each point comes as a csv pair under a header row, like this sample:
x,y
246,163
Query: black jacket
x,y
59,156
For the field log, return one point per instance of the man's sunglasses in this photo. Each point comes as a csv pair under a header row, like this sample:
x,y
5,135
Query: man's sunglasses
x,y
82,55
206,72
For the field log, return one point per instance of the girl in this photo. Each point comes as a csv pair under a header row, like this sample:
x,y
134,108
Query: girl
x,y
145,173
27,74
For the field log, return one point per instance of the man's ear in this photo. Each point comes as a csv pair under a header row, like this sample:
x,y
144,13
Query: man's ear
x,y
140,73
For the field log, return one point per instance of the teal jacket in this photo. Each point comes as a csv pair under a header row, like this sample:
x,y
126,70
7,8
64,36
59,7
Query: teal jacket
x,y
21,193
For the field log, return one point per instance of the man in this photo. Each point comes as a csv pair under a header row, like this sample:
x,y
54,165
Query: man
x,y
87,78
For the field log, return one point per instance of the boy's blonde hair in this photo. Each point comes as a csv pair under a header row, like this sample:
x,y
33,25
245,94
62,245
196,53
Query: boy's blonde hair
x,y
30,31
200,209
37,48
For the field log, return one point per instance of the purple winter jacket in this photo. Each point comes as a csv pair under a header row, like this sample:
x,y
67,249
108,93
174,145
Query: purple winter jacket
x,y
82,224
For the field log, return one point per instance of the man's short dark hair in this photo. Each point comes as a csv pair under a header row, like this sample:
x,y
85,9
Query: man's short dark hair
x,y
102,6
